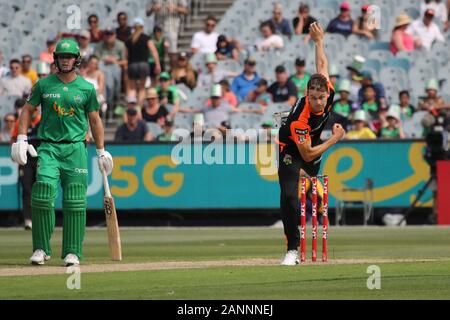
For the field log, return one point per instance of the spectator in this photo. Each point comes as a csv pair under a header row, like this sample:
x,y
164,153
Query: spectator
x,y
425,31
301,77
219,110
53,68
113,57
355,69
343,23
333,72
153,110
15,84
96,33
393,129
343,106
205,41
361,26
167,134
139,47
367,80
371,104
226,49
406,108
302,22
432,101
401,40
7,128
86,49
247,80
47,56
260,94
131,104
168,14
227,95
440,9
269,39
212,74
92,73
280,24
161,46
43,69
168,93
360,127
134,130
3,69
123,31
184,73
27,71
283,90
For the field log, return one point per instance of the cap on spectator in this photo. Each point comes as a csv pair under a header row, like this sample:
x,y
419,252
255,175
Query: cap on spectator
x,y
334,71
151,94
429,12
109,30
131,112
43,68
183,55
131,99
199,119
365,7
401,20
299,62
267,124
345,6
216,91
344,85
262,82
51,41
280,69
85,34
366,75
393,112
211,58
169,123
250,60
138,22
225,124
164,75
357,64
432,84
360,115
221,38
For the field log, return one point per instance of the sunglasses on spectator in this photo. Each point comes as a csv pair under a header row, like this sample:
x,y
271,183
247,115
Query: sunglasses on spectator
x,y
10,120
277,12
109,33
210,24
26,61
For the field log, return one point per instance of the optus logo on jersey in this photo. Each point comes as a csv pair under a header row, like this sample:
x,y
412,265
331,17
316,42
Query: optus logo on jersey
x,y
51,95
62,111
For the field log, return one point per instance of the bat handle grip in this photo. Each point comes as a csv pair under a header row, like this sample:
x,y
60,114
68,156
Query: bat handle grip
x,y
106,184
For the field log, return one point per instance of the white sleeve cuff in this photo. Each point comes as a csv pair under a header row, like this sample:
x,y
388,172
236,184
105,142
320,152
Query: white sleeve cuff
x,y
100,151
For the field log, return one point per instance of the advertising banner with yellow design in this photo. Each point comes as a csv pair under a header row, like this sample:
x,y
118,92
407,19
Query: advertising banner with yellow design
x,y
171,176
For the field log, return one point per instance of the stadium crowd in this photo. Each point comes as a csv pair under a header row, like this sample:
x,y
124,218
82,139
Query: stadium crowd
x,y
137,85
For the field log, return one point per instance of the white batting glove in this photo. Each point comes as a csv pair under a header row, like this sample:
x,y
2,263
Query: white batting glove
x,y
20,148
105,161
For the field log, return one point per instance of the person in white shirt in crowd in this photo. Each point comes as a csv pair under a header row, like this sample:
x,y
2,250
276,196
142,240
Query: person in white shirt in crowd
x,y
440,10
212,74
7,127
219,110
15,84
168,16
269,39
84,41
425,31
205,41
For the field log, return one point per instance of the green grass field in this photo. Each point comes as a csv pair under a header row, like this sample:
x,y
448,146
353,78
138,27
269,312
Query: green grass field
x,y
414,264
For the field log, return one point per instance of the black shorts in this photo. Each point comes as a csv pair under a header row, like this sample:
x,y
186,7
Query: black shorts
x,y
138,70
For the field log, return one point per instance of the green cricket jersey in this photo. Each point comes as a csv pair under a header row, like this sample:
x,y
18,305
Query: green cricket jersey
x,y
64,107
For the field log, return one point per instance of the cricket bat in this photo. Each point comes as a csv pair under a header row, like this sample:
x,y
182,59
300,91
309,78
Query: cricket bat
x,y
112,225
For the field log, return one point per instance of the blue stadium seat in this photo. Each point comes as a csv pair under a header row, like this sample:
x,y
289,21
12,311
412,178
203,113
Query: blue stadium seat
x,y
399,63
380,45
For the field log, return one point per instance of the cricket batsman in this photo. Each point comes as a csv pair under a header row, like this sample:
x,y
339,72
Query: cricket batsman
x,y
300,146
67,102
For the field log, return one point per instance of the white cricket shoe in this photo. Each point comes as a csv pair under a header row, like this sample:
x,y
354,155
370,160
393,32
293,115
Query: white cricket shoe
x,y
39,257
27,224
71,260
291,258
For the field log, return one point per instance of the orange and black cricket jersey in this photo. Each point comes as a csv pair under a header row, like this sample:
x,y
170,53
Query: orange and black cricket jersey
x,y
302,124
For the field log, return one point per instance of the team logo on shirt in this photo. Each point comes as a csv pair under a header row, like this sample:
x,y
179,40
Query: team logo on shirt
x,y
78,99
51,95
287,159
62,111
301,134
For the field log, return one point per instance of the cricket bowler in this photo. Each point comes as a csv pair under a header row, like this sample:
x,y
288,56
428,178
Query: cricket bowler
x,y
300,146
67,102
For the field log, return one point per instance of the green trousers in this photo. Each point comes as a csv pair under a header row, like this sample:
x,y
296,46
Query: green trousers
x,y
65,164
